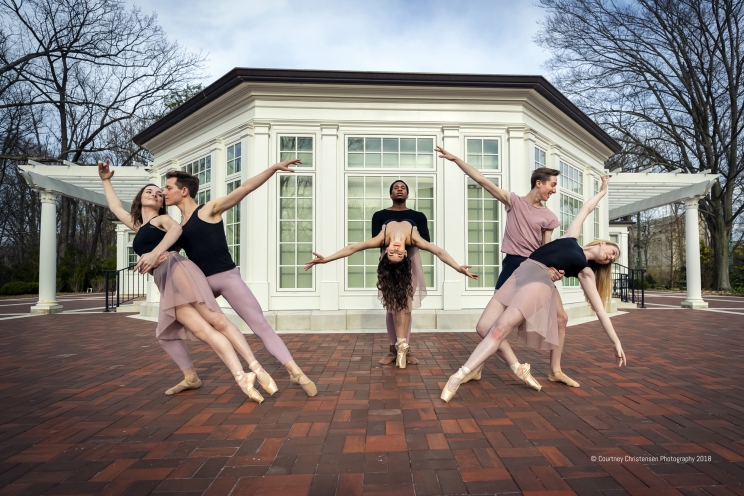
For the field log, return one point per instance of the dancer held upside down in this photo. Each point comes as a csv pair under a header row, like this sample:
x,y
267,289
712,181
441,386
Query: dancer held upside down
x,y
400,277
527,301
188,308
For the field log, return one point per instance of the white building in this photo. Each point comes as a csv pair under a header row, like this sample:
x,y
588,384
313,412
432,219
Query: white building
x,y
356,132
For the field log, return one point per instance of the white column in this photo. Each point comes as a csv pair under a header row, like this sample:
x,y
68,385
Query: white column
x,y
692,241
327,204
47,256
257,221
454,213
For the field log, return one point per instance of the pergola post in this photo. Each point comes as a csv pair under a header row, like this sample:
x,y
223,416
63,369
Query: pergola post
x,y
47,256
692,242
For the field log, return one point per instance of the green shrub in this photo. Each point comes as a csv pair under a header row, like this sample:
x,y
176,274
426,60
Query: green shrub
x,y
19,288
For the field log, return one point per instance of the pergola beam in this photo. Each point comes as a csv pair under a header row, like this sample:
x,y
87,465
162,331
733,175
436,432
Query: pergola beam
x,y
63,188
653,199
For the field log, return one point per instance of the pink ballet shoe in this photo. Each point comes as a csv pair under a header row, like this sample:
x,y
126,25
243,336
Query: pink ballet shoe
x,y
264,379
184,385
245,381
447,393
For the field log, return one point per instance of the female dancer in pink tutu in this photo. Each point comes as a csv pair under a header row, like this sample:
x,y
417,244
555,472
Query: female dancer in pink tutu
x,y
527,301
188,308
400,275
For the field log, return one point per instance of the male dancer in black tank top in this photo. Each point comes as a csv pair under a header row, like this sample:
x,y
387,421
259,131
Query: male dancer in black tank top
x,y
399,211
205,244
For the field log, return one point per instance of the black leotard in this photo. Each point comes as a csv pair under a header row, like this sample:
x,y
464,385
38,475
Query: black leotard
x,y
562,254
206,245
147,238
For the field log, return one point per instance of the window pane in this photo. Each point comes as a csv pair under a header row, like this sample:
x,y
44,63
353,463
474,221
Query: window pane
x,y
356,144
490,162
287,143
390,160
373,187
390,145
491,146
286,254
304,253
356,277
425,145
356,160
373,160
304,231
287,209
286,185
475,232
355,209
475,146
408,145
356,187
425,161
287,231
304,279
287,277
372,144
305,186
407,160
305,209
287,156
306,158
304,144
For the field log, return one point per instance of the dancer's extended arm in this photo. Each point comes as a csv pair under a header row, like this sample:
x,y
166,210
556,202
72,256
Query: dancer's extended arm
x,y
218,206
574,229
500,194
112,198
442,255
589,285
346,251
173,231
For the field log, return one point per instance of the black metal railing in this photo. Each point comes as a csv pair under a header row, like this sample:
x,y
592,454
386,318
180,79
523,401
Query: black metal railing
x,y
123,286
629,284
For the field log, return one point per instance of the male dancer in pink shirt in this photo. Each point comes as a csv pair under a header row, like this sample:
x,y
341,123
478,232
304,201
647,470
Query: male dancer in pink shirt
x,y
529,225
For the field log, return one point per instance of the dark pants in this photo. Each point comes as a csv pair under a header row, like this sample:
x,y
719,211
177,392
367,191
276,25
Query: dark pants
x,y
508,266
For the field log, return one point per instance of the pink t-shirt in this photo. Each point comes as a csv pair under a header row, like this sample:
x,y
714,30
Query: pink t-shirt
x,y
525,224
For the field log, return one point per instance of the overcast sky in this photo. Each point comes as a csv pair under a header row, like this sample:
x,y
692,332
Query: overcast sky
x,y
488,37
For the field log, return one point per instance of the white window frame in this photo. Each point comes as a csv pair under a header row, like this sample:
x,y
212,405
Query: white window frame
x,y
381,168
237,173
538,164
502,220
279,242
393,175
205,188
595,184
497,139
564,189
303,167
130,249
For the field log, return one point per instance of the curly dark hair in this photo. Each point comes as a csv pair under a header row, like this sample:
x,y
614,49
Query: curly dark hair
x,y
136,210
394,280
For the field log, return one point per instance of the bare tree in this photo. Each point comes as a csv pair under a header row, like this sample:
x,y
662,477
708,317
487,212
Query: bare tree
x,y
666,78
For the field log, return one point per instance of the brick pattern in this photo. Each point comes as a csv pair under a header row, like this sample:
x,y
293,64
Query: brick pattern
x,y
82,411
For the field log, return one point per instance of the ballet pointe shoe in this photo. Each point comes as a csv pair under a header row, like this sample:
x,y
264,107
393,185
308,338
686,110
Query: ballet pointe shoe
x,y
561,377
184,385
245,381
263,378
475,375
400,359
526,376
308,386
447,393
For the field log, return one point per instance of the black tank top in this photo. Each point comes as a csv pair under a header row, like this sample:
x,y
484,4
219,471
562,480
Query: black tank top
x,y
411,221
562,254
147,238
205,245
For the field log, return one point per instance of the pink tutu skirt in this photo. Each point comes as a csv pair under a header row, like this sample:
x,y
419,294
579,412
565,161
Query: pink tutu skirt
x,y
531,291
417,280
180,282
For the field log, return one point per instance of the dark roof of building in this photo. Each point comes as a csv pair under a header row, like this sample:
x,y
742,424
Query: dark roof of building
x,y
246,75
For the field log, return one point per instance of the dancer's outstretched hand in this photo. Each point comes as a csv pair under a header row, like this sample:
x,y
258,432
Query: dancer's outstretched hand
x,y
104,171
464,270
620,356
146,262
319,259
284,166
444,154
605,182
555,275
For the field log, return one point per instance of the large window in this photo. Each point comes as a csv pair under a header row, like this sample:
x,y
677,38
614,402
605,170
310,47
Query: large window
x,y
372,152
539,158
234,159
595,183
483,153
365,196
232,226
296,147
571,179
483,235
202,169
296,194
131,255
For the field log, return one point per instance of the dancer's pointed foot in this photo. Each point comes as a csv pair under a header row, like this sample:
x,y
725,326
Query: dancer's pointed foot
x,y
400,359
561,377
264,378
388,359
475,375
454,381
304,382
184,385
526,376
245,381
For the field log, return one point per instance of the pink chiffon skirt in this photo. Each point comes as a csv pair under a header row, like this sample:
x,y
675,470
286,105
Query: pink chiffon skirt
x,y
180,282
531,291
417,280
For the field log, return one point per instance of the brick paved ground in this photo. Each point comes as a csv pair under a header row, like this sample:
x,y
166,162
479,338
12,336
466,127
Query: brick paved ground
x,y
82,411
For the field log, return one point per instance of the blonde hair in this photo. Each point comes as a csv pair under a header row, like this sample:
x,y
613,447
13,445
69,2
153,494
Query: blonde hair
x,y
603,274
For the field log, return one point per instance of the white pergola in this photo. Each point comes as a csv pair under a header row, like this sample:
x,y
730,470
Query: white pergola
x,y
634,192
74,181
